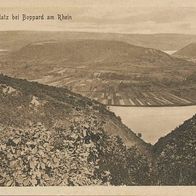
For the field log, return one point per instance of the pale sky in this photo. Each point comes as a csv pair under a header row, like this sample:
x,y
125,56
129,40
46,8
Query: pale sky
x,y
115,16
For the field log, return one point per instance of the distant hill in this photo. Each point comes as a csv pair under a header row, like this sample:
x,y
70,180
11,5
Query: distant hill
x,y
90,53
188,52
14,40
176,159
111,72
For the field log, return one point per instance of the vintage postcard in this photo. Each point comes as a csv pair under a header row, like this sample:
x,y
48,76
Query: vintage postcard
x,y
98,97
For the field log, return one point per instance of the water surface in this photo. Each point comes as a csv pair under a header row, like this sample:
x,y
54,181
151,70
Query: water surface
x,y
170,52
153,122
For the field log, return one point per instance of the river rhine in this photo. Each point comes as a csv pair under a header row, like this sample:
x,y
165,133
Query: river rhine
x,y
153,122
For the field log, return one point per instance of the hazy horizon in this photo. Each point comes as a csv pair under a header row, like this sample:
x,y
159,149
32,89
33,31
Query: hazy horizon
x,y
127,17
70,31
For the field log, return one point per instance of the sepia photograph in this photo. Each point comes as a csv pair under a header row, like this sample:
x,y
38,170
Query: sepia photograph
x,y
98,94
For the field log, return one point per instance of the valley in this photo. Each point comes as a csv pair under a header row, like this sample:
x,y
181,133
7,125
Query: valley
x,y
56,137
160,41
92,111
110,72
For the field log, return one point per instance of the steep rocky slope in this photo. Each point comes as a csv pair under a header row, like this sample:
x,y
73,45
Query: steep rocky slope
x,y
34,102
50,136
176,158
